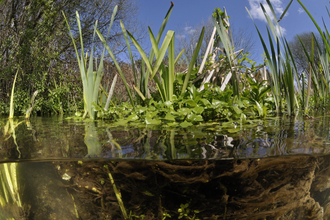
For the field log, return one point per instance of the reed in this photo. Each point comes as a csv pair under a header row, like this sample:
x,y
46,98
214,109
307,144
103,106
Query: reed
x,y
91,79
222,31
11,108
167,73
280,61
28,112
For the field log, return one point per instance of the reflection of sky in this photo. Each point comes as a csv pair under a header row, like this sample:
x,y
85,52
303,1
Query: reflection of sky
x,y
188,13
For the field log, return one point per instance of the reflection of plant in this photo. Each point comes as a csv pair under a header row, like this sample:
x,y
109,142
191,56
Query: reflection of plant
x,y
9,130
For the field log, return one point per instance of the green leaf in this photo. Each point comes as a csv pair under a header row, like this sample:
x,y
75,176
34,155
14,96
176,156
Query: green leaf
x,y
132,117
184,111
205,102
185,124
193,60
235,130
198,110
236,109
259,108
190,102
150,121
121,122
194,118
169,117
11,111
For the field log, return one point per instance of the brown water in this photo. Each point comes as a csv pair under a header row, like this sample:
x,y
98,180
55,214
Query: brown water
x,y
271,169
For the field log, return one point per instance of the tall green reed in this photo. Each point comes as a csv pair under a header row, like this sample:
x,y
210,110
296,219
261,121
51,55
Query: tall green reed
x,y
11,108
91,79
280,61
167,72
222,31
142,85
321,76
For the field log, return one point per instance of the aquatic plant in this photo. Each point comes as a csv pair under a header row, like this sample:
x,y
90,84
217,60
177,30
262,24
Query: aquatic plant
x,y
28,112
167,74
280,62
319,72
106,46
142,86
91,79
219,18
118,194
165,83
9,190
11,111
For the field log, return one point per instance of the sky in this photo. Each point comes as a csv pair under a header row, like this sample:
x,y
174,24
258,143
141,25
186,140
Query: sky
x,y
188,13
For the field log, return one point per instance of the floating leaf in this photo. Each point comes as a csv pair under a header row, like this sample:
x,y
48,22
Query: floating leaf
x,y
237,110
205,102
173,124
169,117
193,117
184,111
121,122
150,121
227,124
235,130
198,110
185,124
190,102
132,117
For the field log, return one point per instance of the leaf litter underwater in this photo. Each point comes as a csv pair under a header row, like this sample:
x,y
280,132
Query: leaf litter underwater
x,y
63,169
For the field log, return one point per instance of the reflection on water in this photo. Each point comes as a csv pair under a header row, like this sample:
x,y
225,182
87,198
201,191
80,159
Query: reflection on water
x,y
56,138
275,168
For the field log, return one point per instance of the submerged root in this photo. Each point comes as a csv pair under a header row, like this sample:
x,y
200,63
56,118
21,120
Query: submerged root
x,y
241,189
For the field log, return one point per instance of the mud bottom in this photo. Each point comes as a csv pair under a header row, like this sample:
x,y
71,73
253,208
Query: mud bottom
x,y
272,188
43,191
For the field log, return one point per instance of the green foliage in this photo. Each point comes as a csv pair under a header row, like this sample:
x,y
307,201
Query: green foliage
x,y
192,108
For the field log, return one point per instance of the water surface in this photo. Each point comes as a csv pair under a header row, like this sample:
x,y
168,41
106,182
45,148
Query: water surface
x,y
54,168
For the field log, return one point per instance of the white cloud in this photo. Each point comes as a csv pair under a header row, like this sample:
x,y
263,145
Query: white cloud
x,y
283,30
256,10
180,36
258,14
189,30
300,10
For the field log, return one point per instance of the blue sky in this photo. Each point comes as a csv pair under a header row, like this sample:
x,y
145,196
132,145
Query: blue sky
x,y
190,12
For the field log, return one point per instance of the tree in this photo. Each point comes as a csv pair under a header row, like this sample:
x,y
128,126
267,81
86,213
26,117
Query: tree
x,y
298,53
35,40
